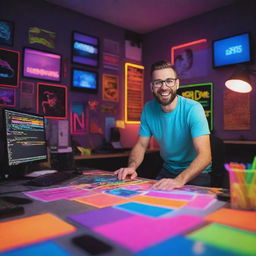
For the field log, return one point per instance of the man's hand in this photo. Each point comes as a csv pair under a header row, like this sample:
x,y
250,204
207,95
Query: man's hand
x,y
167,184
122,173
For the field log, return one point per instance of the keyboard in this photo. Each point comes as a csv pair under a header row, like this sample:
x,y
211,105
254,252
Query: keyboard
x,y
51,178
8,209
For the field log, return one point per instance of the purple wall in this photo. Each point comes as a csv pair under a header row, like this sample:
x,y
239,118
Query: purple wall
x,y
156,45
213,25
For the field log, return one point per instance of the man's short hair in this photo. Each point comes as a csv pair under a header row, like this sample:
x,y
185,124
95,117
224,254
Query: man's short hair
x,y
162,64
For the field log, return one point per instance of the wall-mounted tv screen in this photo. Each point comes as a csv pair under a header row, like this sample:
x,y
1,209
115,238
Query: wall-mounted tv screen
x,y
41,65
84,80
232,50
85,49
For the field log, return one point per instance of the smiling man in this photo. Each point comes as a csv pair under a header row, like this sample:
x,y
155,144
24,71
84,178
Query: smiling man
x,y
181,129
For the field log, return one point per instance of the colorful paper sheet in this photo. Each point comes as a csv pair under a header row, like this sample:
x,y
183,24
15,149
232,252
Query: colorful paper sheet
x,y
159,201
30,230
227,238
201,201
236,218
100,217
101,200
140,187
138,232
170,195
41,249
182,246
53,194
197,212
122,192
201,190
144,209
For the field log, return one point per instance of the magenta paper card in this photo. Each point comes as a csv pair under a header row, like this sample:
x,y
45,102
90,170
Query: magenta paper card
x,y
201,201
187,197
52,194
138,232
100,217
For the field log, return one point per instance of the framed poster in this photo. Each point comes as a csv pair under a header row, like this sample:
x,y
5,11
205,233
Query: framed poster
x,y
84,80
52,100
191,59
110,61
9,67
41,36
6,32
78,118
110,88
237,115
27,87
134,92
202,93
41,65
7,97
85,49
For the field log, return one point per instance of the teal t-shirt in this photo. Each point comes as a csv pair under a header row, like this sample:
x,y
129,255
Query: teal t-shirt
x,y
174,131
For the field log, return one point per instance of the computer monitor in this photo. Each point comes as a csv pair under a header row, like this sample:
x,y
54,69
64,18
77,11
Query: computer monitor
x,y
232,50
23,139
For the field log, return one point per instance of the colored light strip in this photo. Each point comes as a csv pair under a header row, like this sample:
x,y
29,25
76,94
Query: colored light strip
x,y
184,45
126,92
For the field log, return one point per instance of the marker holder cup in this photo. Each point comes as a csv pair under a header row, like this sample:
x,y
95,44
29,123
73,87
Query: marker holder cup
x,y
243,188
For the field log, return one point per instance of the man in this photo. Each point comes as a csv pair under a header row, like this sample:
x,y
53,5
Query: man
x,y
181,129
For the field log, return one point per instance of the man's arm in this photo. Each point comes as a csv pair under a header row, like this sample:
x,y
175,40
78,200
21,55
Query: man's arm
x,y
203,158
135,159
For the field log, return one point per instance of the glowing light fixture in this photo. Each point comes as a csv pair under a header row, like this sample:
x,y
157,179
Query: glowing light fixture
x,y
239,81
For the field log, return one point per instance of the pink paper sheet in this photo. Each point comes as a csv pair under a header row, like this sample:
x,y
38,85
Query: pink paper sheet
x,y
138,232
48,195
201,201
170,195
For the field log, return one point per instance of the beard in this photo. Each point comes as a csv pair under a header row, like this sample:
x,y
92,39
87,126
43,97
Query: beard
x,y
164,102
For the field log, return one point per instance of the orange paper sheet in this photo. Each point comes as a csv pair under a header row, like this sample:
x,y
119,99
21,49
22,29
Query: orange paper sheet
x,y
21,232
236,218
101,200
159,201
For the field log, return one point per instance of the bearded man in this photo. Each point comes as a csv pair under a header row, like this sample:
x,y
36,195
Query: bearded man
x,y
181,129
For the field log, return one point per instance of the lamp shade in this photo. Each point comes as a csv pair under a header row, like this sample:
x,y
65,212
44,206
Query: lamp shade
x,y
239,82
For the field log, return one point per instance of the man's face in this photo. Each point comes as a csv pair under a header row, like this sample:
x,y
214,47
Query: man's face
x,y
165,94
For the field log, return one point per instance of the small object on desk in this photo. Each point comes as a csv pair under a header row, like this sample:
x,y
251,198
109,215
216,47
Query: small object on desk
x,y
51,178
8,209
39,173
223,196
16,200
91,244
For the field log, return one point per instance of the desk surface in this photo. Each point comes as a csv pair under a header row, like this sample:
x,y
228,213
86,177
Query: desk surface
x,y
251,142
153,217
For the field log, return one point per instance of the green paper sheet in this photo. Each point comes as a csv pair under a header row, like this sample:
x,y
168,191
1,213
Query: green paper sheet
x,y
227,238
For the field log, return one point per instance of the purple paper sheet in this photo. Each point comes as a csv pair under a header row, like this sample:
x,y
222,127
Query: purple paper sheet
x,y
100,217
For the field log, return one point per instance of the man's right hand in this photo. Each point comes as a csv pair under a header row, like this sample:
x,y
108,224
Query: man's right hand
x,y
122,173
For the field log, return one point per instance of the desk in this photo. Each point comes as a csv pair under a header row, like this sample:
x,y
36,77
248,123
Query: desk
x,y
166,222
240,142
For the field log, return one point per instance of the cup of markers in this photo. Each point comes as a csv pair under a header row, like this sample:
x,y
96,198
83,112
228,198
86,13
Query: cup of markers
x,y
242,186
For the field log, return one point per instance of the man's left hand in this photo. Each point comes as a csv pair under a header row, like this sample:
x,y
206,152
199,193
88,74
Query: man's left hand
x,y
167,184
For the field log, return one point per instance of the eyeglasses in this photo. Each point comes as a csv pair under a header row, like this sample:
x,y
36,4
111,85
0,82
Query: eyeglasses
x,y
170,82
